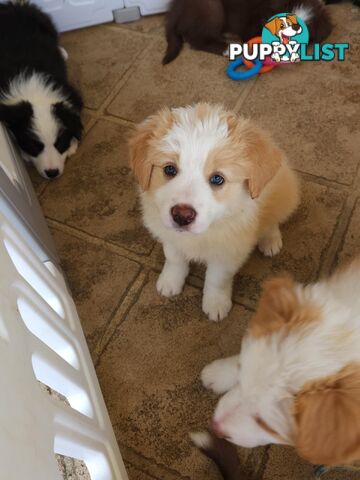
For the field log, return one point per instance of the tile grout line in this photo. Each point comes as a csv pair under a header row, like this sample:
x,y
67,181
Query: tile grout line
x,y
124,78
339,233
353,202
94,240
131,455
127,301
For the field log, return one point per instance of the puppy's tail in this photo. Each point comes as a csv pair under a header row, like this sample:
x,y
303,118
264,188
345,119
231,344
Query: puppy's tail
x,y
223,453
317,19
174,43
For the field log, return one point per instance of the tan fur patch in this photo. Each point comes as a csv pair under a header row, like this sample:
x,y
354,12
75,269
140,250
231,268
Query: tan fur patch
x,y
144,141
250,154
327,414
280,309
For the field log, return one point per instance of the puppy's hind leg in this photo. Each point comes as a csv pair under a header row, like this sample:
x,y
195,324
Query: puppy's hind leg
x,y
271,242
211,45
172,278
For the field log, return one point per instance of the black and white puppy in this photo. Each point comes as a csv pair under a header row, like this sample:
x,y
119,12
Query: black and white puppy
x,y
37,103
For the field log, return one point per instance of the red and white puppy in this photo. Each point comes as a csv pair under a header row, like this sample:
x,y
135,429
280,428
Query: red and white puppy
x,y
213,186
297,378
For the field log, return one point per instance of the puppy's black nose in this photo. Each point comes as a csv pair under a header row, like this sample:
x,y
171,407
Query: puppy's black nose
x,y
183,214
52,173
296,26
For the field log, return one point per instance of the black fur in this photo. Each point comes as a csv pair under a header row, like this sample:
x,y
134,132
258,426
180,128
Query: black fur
x,y
203,23
29,44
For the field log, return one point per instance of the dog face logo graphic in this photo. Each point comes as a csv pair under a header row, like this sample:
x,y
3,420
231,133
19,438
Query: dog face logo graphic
x,y
284,27
285,32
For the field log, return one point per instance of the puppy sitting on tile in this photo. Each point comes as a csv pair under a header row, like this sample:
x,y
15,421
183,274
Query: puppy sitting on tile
x,y
213,186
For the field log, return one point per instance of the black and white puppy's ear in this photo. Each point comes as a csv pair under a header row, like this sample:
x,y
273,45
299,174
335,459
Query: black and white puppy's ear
x,y
17,115
69,118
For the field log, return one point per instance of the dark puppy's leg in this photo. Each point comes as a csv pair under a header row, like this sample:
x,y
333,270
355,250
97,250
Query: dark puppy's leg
x,y
173,31
223,453
209,45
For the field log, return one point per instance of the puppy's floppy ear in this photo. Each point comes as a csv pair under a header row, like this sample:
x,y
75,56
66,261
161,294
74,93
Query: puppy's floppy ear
x,y
327,415
69,118
145,136
276,307
264,160
16,115
280,308
273,25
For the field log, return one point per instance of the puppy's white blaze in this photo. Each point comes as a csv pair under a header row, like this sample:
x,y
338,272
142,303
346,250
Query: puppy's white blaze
x,y
305,13
201,439
193,138
33,88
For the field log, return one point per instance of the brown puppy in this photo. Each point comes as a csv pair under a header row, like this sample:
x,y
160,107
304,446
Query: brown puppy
x,y
204,23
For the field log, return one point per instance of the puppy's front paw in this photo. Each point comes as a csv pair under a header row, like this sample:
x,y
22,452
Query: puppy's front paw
x,y
219,376
169,283
216,304
271,243
73,147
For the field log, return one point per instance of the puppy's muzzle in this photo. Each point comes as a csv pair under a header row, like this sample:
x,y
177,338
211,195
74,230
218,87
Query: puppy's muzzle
x,y
183,214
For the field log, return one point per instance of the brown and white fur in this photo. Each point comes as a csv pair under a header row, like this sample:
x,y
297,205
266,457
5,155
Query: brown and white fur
x,y
195,220
297,378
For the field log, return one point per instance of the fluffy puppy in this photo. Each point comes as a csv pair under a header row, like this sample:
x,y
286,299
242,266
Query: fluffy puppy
x,y
205,23
213,186
37,104
297,378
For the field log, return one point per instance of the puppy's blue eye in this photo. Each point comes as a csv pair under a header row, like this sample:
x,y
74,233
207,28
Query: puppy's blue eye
x,y
170,170
217,180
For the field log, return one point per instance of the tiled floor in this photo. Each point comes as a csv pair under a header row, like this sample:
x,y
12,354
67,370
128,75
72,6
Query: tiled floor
x,y
149,351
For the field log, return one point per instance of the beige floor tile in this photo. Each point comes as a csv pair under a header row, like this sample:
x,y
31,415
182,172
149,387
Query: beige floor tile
x,y
151,24
149,374
136,474
98,58
284,463
98,194
98,279
192,77
341,474
313,108
351,245
306,237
